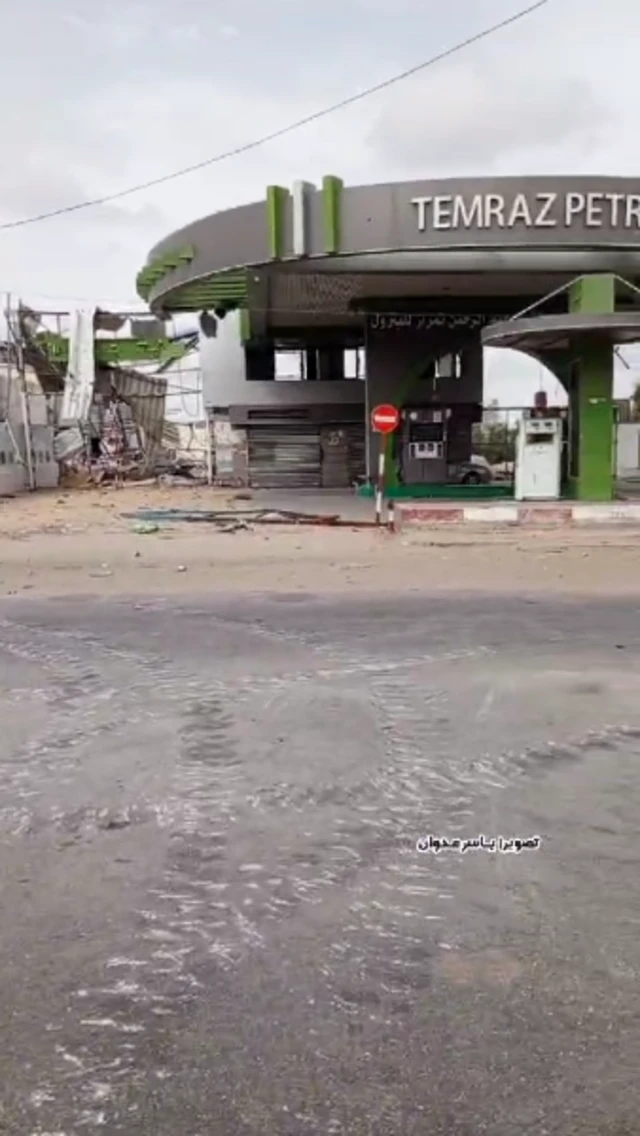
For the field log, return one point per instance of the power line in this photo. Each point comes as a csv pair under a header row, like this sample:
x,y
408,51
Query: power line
x,y
283,130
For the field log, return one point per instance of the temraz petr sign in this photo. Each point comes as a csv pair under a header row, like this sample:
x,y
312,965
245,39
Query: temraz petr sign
x,y
543,210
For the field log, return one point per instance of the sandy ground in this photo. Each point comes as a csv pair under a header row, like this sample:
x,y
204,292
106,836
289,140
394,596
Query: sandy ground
x,y
78,541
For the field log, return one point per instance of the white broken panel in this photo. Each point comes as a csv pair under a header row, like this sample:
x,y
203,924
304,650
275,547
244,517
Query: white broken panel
x,y
80,378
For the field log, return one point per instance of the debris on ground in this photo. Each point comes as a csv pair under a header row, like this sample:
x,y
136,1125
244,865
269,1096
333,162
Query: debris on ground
x,y
110,820
145,527
180,477
239,518
239,526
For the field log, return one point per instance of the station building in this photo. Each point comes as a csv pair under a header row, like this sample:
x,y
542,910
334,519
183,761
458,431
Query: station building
x,y
413,279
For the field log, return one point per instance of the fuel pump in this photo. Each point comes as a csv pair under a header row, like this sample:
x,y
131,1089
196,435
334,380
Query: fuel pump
x,y
538,470
423,456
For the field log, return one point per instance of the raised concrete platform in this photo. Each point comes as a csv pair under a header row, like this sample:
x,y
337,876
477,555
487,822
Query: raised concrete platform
x,y
542,514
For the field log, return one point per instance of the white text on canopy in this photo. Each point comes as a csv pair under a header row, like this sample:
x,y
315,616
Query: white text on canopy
x,y
530,211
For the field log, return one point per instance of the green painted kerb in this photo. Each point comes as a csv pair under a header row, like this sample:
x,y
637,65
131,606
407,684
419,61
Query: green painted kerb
x,y
332,191
592,394
443,491
277,198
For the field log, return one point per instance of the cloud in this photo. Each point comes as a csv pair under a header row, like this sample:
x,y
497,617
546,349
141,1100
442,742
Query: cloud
x,y
469,116
543,96
183,33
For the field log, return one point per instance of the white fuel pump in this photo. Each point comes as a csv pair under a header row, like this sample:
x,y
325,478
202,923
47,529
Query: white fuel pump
x,y
538,459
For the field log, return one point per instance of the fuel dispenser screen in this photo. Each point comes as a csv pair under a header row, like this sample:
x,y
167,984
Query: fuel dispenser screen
x,y
426,432
540,439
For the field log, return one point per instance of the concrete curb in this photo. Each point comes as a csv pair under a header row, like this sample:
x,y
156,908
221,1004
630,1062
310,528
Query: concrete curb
x,y
428,515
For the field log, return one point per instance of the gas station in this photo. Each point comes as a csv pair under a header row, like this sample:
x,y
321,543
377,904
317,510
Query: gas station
x,y
416,279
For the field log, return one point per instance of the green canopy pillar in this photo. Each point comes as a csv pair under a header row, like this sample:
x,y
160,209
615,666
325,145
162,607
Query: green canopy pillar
x,y
592,448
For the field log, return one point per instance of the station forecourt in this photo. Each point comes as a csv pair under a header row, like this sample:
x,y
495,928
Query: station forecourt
x,y
417,277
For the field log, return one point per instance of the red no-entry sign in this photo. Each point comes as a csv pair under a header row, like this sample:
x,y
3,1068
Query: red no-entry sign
x,y
385,418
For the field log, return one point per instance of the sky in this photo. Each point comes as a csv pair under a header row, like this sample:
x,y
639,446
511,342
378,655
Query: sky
x,y
100,97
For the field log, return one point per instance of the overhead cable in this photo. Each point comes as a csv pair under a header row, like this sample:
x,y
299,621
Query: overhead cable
x,y
283,130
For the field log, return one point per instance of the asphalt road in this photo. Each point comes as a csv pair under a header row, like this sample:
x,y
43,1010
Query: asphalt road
x,y
214,918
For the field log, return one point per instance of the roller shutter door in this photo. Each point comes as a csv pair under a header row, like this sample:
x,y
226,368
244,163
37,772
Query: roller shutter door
x,y
343,455
357,443
284,457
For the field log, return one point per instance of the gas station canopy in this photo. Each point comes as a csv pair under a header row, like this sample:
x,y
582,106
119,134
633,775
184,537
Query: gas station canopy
x,y
556,332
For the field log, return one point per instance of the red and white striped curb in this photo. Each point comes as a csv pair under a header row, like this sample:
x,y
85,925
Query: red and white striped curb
x,y
419,515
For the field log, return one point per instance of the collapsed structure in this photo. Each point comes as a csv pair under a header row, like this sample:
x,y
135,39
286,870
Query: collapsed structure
x,y
90,397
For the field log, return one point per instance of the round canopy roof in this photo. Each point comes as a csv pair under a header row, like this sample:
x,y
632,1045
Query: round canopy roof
x,y
552,333
476,226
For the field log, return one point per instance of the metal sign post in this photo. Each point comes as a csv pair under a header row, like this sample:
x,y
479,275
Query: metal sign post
x,y
380,480
384,420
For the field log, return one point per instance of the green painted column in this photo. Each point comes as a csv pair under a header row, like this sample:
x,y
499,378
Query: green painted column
x,y
332,196
591,396
277,202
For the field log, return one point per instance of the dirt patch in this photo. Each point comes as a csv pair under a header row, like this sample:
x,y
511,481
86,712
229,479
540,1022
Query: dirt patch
x,y
94,509
78,542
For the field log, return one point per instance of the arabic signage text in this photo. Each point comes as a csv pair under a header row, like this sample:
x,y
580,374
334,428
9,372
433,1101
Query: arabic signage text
x,y
480,843
426,321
